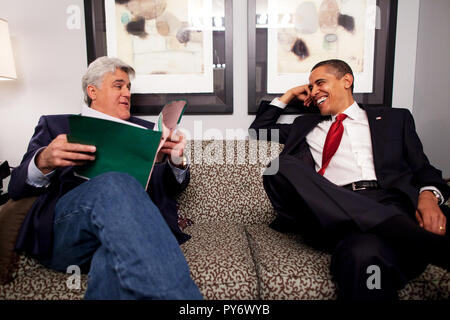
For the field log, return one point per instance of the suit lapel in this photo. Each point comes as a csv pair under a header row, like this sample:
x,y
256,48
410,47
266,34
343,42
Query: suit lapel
x,y
377,125
302,126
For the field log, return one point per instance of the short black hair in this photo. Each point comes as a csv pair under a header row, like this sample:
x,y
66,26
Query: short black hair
x,y
341,68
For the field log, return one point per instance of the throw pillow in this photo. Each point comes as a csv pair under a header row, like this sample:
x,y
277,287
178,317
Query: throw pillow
x,y
12,215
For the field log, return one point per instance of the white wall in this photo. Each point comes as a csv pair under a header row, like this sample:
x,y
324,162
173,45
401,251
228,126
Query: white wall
x,y
405,54
51,59
431,91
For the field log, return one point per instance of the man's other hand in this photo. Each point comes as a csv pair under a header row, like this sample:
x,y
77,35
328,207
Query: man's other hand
x,y
61,153
174,147
302,93
429,215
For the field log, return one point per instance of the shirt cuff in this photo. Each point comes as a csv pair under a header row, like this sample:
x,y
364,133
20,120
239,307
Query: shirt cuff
x,y
180,174
431,188
35,177
277,103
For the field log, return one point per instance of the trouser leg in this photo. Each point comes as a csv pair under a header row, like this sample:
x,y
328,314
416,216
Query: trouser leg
x,y
406,236
293,215
112,219
366,268
104,281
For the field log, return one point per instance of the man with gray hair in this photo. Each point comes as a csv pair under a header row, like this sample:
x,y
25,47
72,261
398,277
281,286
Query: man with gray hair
x,y
126,237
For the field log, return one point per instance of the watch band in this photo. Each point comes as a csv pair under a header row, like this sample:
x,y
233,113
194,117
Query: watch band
x,y
437,195
184,162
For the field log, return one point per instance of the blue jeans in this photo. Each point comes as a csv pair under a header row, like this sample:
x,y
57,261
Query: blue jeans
x,y
110,225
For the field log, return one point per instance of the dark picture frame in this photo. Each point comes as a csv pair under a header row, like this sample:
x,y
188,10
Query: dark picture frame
x,y
383,63
218,102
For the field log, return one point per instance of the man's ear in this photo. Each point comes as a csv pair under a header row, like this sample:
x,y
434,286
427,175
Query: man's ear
x,y
348,80
91,91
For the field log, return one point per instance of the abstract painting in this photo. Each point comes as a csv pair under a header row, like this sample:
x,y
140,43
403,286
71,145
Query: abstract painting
x,y
168,42
302,33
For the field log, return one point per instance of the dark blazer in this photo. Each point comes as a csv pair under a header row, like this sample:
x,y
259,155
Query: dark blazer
x,y
400,163
35,235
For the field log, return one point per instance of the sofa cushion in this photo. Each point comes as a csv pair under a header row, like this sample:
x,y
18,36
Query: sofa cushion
x,y
12,215
226,182
287,268
220,261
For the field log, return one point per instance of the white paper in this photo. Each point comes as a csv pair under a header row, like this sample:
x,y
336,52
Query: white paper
x,y
89,112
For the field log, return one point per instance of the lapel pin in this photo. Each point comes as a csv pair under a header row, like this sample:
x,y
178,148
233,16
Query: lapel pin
x,y
378,118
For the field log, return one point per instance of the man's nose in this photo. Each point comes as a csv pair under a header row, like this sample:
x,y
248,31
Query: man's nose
x,y
314,91
126,91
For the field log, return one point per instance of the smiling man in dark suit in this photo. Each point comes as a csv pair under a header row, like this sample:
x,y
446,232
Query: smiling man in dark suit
x,y
125,236
355,181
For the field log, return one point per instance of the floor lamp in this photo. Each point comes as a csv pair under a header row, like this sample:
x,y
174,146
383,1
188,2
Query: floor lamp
x,y
7,65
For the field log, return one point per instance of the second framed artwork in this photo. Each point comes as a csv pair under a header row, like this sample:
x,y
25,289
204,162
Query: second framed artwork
x,y
286,38
180,49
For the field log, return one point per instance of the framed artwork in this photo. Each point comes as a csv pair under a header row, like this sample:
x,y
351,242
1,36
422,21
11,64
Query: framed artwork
x,y
286,38
180,49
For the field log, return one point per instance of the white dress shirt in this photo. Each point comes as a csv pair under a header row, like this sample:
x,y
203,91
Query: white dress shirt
x,y
353,160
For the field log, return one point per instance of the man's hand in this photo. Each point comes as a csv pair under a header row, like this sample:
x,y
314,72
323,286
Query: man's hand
x,y
61,153
429,215
302,93
174,147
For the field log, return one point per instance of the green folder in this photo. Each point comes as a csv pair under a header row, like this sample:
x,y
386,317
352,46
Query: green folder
x,y
120,147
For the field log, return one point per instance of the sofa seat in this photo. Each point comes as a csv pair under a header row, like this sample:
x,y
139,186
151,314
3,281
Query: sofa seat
x,y
33,281
287,268
220,261
234,262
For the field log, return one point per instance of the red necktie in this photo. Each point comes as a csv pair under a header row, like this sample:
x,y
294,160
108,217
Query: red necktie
x,y
332,141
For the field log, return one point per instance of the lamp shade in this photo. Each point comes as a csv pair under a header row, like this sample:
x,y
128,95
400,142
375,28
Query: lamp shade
x,y
7,66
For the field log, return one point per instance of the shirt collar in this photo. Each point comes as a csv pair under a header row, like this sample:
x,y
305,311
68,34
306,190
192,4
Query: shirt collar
x,y
89,112
354,112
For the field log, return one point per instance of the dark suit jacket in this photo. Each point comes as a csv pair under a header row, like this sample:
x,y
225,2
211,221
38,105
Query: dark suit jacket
x,y
35,236
400,163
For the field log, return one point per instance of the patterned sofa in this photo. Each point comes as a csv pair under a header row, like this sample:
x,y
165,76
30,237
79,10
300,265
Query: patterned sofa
x,y
233,254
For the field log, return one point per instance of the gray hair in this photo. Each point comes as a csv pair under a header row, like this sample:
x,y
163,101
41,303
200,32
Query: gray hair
x,y
98,69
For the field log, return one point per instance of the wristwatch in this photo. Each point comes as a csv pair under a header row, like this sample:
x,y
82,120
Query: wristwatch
x,y
184,162
181,163
437,195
